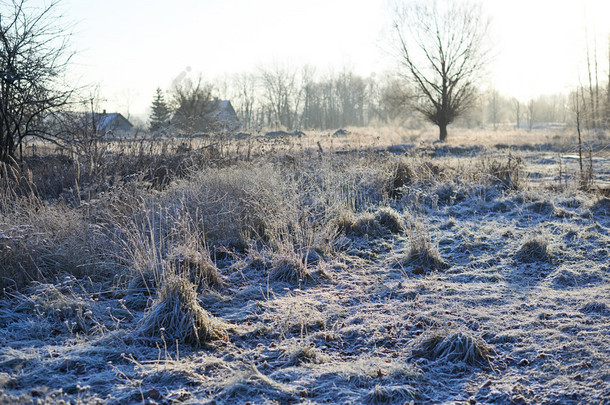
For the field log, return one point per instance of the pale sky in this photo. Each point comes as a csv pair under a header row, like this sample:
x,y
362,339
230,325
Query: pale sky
x,y
130,47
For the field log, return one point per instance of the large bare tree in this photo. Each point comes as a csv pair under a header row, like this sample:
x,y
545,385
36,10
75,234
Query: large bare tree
x,y
442,47
34,54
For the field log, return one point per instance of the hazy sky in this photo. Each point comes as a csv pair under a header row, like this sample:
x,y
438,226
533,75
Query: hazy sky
x,y
130,47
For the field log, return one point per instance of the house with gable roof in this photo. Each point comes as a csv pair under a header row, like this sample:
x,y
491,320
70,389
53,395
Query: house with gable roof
x,y
111,123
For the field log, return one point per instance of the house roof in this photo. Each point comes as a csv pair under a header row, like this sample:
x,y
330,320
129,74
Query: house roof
x,y
224,104
110,121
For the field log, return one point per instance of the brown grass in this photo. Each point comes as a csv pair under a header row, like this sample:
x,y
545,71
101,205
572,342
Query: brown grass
x,y
176,315
456,347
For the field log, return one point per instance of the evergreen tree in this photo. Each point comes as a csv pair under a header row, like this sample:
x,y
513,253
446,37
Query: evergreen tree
x,y
160,113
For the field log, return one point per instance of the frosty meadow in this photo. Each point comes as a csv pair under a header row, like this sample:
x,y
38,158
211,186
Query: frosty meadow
x,y
287,235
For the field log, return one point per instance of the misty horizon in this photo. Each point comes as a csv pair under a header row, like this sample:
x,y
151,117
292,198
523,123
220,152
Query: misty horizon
x,y
128,50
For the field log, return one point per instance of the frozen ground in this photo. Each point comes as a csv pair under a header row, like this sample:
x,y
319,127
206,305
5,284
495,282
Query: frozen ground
x,y
520,314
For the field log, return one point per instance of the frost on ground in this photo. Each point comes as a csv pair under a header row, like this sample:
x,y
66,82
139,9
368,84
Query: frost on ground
x,y
445,292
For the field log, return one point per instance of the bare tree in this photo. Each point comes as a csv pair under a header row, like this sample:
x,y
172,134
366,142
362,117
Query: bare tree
x,y
394,100
192,103
280,93
494,108
245,86
593,90
577,105
531,114
517,111
442,48
608,89
34,55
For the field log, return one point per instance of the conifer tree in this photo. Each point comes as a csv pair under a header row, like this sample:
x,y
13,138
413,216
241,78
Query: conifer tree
x,y
160,113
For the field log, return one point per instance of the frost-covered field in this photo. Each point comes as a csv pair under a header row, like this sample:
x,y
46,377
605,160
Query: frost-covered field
x,y
437,275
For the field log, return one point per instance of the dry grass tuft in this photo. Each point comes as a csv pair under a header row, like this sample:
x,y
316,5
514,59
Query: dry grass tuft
x,y
288,268
422,252
374,224
601,208
507,176
245,384
595,307
390,219
403,176
344,221
456,347
55,302
197,266
366,224
391,394
176,315
40,241
298,353
535,249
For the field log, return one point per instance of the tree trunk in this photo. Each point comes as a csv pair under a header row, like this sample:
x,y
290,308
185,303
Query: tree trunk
x,y
443,132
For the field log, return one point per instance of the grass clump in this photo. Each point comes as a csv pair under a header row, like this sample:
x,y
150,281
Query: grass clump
x,y
56,302
177,315
535,249
40,241
288,269
366,224
376,224
298,353
197,265
595,307
391,394
506,176
244,385
601,208
390,219
422,252
403,176
456,347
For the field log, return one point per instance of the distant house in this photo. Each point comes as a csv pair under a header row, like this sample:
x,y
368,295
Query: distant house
x,y
111,123
222,115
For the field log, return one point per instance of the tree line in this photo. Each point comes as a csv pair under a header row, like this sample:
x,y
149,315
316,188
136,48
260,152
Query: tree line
x,y
286,97
301,99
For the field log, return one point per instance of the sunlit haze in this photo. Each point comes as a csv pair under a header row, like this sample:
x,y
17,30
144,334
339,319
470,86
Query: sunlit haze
x,y
129,48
